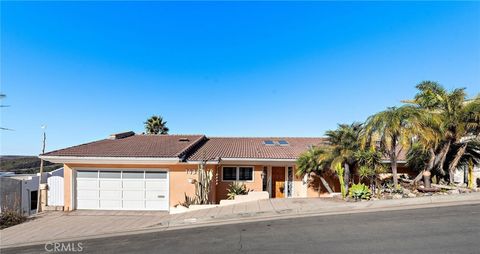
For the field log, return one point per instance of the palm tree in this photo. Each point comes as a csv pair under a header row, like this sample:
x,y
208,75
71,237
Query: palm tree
x,y
3,96
344,142
457,125
155,125
392,130
339,153
313,162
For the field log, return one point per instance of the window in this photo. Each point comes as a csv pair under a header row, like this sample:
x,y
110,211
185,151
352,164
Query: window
x,y
229,173
87,174
283,142
245,173
156,175
132,175
110,174
237,174
268,142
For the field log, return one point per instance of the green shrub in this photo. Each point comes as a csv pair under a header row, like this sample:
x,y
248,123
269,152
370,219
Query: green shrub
x,y
360,191
10,218
236,188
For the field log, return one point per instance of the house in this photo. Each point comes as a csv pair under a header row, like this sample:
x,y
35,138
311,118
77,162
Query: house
x,y
19,193
128,171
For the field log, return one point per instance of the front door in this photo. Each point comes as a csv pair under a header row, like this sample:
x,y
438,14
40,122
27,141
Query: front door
x,y
278,182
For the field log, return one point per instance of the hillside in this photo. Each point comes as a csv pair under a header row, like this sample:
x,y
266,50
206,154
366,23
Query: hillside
x,y
24,164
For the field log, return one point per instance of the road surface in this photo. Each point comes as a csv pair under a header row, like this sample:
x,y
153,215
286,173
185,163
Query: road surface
x,y
454,229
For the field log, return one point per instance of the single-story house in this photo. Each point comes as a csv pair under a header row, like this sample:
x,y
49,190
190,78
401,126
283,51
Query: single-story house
x,y
19,193
129,171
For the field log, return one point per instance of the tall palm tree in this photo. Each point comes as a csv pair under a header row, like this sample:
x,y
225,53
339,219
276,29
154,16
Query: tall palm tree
x,y
344,142
458,124
392,130
155,125
313,161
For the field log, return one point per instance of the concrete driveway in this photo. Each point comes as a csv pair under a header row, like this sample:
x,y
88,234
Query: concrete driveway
x,y
83,224
59,225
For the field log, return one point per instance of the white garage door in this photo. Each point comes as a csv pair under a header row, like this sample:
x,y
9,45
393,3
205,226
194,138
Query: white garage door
x,y
122,190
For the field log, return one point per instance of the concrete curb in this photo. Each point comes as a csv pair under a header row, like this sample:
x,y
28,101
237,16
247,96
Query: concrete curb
x,y
341,209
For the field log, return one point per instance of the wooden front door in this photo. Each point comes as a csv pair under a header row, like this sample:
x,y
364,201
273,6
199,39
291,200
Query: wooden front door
x,y
278,182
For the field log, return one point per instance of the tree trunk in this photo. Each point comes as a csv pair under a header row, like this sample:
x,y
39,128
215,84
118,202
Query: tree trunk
x,y
325,184
418,177
393,161
426,179
346,176
454,163
440,160
428,167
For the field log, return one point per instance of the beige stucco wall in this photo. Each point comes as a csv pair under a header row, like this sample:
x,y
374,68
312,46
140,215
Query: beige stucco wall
x,y
179,175
222,186
179,185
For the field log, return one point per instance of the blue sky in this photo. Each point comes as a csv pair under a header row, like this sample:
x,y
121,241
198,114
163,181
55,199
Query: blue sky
x,y
222,69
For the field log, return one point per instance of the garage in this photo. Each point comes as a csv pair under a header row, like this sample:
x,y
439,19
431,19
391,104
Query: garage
x,y
129,189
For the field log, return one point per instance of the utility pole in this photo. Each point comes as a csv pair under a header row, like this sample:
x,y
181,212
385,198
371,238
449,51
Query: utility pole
x,y
39,209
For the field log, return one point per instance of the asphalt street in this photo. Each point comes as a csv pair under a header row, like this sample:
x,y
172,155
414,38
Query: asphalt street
x,y
453,229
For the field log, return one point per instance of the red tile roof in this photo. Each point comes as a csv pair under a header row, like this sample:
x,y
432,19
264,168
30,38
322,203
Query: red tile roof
x,y
231,147
134,146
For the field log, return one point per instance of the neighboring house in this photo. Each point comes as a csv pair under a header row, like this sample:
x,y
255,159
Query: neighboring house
x,y
155,172
19,193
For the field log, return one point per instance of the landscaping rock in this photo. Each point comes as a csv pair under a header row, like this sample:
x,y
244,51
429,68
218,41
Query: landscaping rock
x,y
411,195
397,196
451,192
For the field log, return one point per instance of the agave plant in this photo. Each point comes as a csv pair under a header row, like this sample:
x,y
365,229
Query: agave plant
x,y
236,188
360,191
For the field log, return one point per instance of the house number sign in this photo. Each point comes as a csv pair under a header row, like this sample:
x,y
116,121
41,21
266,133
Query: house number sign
x,y
191,171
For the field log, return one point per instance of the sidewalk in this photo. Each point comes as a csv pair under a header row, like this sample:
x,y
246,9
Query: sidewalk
x,y
83,224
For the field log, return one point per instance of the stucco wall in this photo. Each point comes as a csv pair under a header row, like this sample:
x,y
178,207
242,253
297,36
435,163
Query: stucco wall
x,y
10,194
179,175
222,186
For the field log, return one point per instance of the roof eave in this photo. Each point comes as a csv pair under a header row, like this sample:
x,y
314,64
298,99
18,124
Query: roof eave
x,y
110,160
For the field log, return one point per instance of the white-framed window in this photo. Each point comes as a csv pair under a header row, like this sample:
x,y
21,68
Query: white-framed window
x,y
240,173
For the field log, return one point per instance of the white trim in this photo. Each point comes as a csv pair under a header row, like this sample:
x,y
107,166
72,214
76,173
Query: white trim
x,y
112,160
258,159
292,190
237,174
269,187
73,189
206,162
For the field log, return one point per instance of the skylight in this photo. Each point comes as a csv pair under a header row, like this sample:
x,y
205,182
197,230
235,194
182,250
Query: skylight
x,y
283,142
268,142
